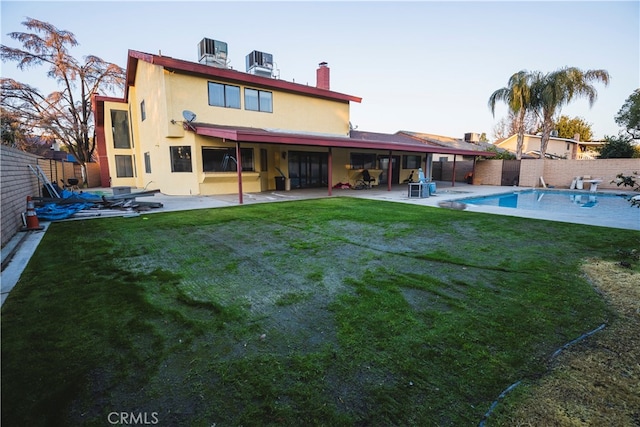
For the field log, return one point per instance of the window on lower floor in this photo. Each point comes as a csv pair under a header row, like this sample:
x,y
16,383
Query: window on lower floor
x,y
411,161
216,159
124,166
147,162
181,158
363,161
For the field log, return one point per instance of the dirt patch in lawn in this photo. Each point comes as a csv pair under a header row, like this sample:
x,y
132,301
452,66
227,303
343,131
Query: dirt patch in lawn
x,y
596,382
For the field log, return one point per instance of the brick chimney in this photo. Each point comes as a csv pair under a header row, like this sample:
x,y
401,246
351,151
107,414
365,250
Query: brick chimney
x,y
322,76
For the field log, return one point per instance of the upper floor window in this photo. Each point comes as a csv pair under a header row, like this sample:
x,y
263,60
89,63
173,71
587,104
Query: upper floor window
x,y
221,95
120,129
258,100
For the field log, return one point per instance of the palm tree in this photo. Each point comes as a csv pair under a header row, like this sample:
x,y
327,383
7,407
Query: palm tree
x,y
517,96
553,90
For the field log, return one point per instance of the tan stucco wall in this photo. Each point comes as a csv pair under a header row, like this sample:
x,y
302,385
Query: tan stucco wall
x,y
291,112
556,147
166,95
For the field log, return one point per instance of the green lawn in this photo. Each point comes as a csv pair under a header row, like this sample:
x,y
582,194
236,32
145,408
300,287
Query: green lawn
x,y
334,311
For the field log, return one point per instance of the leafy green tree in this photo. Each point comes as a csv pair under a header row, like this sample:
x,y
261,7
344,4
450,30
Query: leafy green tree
x,y
517,96
569,127
617,147
66,114
500,154
632,181
629,115
551,91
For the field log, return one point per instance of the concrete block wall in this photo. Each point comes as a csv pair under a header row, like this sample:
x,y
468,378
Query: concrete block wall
x,y
558,173
561,173
532,169
18,182
488,172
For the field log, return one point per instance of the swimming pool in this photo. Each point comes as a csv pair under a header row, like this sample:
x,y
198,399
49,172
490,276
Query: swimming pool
x,y
607,209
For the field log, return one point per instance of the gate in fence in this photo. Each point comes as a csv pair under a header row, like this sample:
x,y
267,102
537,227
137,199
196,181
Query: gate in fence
x,y
510,172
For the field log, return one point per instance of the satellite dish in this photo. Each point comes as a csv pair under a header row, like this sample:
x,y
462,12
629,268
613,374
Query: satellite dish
x,y
189,116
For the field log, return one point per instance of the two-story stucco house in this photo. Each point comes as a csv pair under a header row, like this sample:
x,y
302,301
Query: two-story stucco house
x,y
564,148
201,128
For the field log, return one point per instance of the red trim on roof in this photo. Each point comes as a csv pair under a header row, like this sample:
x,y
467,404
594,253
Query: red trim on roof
x,y
269,137
224,74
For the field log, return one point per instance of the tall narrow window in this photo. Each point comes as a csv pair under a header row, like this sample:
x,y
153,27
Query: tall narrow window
x,y
143,112
181,158
147,162
221,95
120,129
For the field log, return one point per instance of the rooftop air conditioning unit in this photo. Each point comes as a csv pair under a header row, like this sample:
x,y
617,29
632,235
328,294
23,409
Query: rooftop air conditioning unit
x,y
212,52
260,63
471,137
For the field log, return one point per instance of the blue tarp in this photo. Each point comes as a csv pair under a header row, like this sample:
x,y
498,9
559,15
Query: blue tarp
x,y
59,211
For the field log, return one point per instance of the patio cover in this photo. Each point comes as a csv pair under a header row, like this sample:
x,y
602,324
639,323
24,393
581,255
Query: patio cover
x,y
355,140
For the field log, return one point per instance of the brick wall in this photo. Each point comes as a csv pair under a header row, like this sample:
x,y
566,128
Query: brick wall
x,y
18,182
558,173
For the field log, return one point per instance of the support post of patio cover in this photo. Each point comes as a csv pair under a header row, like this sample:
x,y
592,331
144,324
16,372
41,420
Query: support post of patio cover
x,y
453,176
428,166
389,171
329,170
239,169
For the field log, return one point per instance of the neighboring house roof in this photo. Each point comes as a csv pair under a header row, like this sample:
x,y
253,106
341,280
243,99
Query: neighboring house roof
x,y
551,138
446,141
357,139
225,74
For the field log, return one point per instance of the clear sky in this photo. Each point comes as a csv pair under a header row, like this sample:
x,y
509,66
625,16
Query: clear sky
x,y
422,66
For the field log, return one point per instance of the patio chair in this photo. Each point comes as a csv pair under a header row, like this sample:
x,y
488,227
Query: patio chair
x,y
366,180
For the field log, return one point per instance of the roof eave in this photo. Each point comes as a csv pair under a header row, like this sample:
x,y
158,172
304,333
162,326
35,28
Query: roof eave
x,y
187,67
266,137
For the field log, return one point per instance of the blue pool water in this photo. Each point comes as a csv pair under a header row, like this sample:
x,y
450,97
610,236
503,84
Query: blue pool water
x,y
591,207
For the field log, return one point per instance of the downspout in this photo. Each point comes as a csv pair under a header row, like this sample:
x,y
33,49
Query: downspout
x,y
330,169
239,169
453,176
